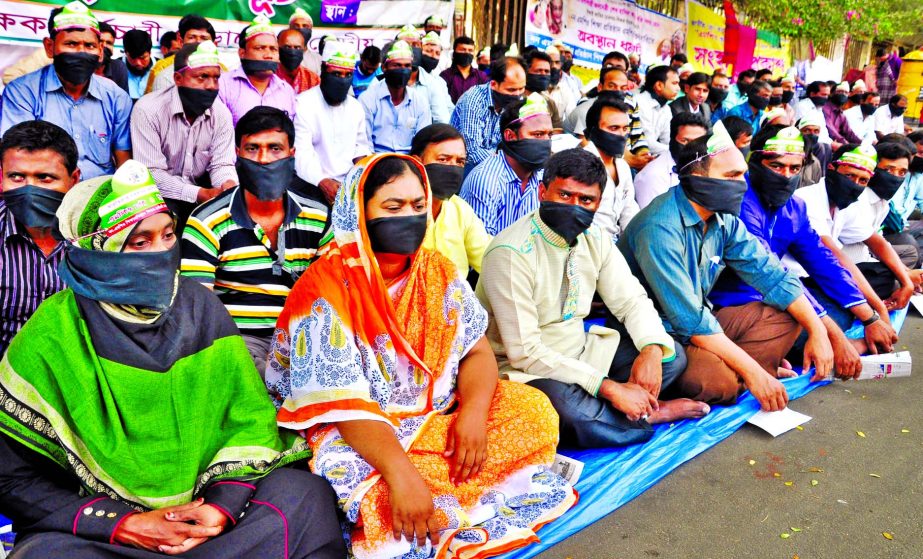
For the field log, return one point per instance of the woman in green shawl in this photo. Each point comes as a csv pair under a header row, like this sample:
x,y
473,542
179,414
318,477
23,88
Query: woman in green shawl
x,y
132,420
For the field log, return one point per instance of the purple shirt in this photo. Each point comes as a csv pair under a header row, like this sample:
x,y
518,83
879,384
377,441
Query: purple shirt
x,y
239,95
838,126
459,84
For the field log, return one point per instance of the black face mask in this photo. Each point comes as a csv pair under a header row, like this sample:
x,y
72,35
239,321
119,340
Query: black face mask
x,y
567,220
787,96
267,181
916,164
252,67
417,57
675,148
856,99
810,142
334,88
429,63
884,184
896,111
611,144
463,59
715,195
76,67
555,76
502,100
867,109
841,190
661,100
818,101
144,279
306,33
717,96
567,64
537,83
743,88
759,103
397,235
775,100
839,99
683,84
531,154
290,57
445,180
397,78
136,72
773,189
33,206
107,57
484,67
196,101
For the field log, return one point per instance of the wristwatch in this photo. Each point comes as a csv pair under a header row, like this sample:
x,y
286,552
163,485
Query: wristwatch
x,y
872,319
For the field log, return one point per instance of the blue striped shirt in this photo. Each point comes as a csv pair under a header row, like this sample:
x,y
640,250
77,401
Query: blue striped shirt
x,y
390,128
497,195
27,276
474,116
678,261
98,121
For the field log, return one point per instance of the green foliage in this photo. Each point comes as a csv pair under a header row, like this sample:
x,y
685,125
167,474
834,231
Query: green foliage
x,y
819,20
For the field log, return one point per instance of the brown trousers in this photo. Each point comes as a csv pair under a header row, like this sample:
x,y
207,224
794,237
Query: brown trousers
x,y
766,334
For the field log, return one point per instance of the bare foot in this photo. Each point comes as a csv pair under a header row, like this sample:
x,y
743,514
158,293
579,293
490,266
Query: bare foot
x,y
675,410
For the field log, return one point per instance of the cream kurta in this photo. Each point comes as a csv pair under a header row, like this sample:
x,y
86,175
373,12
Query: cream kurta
x,y
536,313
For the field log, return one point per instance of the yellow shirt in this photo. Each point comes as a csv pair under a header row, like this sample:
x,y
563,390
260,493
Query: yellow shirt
x,y
459,235
158,68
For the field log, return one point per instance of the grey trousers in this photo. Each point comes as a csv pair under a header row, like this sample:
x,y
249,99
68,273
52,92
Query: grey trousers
x,y
259,351
292,514
588,421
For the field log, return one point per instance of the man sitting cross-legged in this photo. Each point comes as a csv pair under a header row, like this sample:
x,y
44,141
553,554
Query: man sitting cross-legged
x,y
537,283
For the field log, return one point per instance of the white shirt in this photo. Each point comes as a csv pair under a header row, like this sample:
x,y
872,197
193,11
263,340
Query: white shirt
x,y
655,120
806,107
887,124
312,60
574,83
872,212
863,126
845,227
328,138
655,178
617,206
563,98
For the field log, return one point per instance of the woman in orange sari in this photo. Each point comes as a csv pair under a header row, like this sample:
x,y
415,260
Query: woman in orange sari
x,y
380,358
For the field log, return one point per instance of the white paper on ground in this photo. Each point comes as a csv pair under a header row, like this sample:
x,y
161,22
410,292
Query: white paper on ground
x,y
777,422
917,302
568,468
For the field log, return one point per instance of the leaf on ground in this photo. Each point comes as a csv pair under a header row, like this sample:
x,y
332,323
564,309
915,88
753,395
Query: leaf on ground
x,y
848,391
816,470
785,535
874,475
842,502
799,427
905,430
814,482
752,462
795,529
887,535
776,474
789,483
861,434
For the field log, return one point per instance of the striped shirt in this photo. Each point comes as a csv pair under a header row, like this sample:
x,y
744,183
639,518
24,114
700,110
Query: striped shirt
x,y
27,276
479,124
178,153
497,195
225,249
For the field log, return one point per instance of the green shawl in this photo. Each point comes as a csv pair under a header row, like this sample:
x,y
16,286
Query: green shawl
x,y
150,438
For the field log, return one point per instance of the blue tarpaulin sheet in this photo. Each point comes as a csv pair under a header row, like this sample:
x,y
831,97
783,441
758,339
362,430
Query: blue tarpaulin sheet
x,y
613,477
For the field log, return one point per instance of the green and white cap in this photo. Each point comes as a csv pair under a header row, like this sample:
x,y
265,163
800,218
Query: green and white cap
x,y
435,20
843,86
787,141
513,51
75,16
299,13
205,55
432,38
720,141
535,105
859,84
863,157
399,50
409,32
813,118
260,26
340,55
769,116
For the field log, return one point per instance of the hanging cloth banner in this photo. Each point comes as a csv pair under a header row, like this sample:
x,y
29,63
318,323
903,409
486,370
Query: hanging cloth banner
x,y
705,37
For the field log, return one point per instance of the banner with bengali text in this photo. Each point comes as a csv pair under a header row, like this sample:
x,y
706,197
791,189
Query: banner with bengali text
x,y
593,28
364,22
705,37
778,59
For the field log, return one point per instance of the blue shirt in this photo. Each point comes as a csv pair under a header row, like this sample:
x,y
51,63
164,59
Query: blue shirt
x,y
678,260
745,111
98,121
361,82
474,116
137,84
788,230
909,196
497,195
390,128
